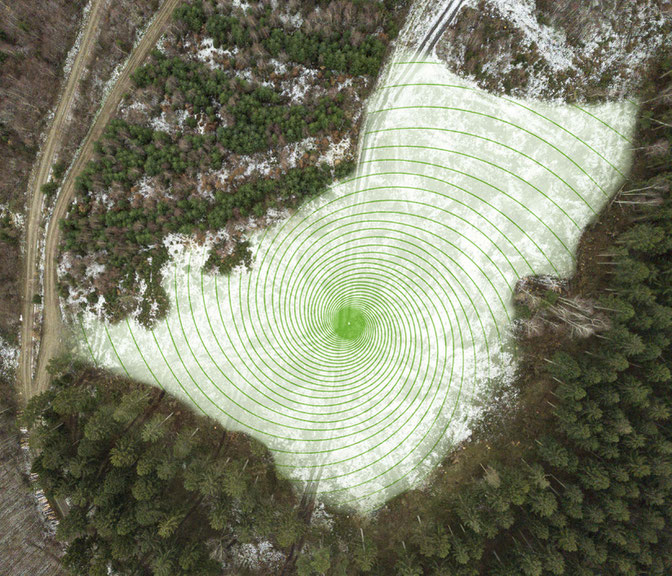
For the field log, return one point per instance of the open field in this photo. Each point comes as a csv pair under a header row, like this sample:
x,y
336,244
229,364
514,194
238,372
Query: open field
x,y
459,194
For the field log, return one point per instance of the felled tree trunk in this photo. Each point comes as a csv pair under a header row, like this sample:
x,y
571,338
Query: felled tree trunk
x,y
547,306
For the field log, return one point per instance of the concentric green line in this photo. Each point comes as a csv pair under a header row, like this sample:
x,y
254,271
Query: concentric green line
x,y
374,315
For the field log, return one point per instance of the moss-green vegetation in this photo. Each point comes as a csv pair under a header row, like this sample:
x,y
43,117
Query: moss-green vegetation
x,y
261,116
49,188
335,51
58,170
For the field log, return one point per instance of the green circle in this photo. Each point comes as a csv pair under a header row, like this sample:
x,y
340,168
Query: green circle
x,y
349,323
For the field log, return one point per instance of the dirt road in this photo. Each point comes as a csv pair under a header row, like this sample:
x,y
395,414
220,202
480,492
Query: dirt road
x,y
35,199
52,328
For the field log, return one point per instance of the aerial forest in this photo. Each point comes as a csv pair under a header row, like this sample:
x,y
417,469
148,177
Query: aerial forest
x,y
151,177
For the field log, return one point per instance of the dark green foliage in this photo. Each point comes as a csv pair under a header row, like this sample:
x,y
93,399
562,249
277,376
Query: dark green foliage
x,y
260,114
146,480
224,264
191,14
199,85
49,188
58,170
334,53
337,51
254,121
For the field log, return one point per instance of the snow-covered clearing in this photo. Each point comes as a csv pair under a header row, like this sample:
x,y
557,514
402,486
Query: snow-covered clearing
x,y
360,344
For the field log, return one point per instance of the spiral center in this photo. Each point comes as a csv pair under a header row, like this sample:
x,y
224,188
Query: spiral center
x,y
349,323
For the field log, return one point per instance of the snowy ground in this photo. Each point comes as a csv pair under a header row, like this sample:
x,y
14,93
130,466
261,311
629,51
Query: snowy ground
x,y
589,50
9,358
460,194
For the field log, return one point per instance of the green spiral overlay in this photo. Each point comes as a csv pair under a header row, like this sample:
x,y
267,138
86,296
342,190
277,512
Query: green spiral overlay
x,y
361,344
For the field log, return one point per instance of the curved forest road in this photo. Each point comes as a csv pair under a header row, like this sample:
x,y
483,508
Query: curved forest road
x,y
35,198
52,327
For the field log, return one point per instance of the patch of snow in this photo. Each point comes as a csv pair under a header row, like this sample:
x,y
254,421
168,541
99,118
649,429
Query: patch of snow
x,y
112,80
178,244
94,270
347,83
321,517
161,44
201,124
250,77
64,265
208,54
240,4
160,123
141,285
141,106
296,150
104,199
273,216
260,167
256,556
222,175
261,164
297,88
144,188
174,122
336,151
290,20
552,44
278,67
99,307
